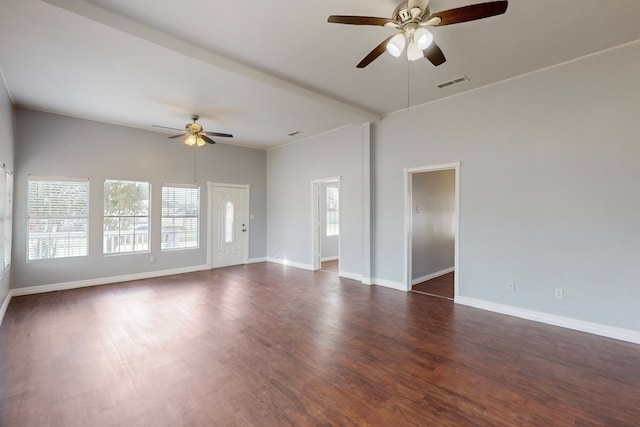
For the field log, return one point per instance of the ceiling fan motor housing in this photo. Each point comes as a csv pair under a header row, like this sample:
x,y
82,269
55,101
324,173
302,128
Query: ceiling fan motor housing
x,y
411,11
193,127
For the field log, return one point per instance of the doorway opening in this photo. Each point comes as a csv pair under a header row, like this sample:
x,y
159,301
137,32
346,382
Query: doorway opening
x,y
431,229
326,224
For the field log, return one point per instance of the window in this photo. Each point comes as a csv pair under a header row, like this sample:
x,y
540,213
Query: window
x,y
126,217
8,219
58,217
333,227
180,217
228,222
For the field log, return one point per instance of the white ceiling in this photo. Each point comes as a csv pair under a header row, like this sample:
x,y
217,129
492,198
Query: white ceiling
x,y
263,69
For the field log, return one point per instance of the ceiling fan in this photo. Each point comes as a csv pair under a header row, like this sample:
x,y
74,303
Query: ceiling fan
x,y
196,135
411,17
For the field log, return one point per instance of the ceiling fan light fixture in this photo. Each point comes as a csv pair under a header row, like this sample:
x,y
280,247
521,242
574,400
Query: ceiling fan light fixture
x,y
423,38
396,45
191,140
409,17
200,142
414,52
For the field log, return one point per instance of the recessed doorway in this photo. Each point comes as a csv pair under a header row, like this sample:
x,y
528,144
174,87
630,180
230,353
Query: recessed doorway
x,y
326,224
431,225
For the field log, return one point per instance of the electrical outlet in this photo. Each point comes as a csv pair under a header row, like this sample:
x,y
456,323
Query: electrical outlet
x,y
152,259
511,285
559,293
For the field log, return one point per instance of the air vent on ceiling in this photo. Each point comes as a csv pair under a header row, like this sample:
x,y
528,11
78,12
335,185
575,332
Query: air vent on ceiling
x,y
453,82
295,133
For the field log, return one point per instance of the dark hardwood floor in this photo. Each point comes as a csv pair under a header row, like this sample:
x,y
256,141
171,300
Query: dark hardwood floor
x,y
268,345
440,286
330,266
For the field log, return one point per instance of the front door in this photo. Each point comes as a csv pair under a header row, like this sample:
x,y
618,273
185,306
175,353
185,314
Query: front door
x,y
229,225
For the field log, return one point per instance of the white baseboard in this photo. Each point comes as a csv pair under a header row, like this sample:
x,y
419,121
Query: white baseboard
x,y
31,290
352,276
291,263
433,275
389,284
551,319
255,260
341,273
5,305
329,258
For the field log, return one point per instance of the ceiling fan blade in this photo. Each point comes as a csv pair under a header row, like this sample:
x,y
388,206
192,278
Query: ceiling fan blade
x,y
360,20
375,53
223,135
470,13
177,136
434,54
164,127
206,138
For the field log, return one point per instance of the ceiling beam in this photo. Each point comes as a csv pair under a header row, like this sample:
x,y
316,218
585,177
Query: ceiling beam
x,y
145,32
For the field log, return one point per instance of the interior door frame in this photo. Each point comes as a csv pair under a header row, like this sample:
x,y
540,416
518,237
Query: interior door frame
x,y
408,221
315,220
210,217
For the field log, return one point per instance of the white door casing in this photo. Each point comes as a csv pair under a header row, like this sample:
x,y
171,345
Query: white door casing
x,y
229,224
408,223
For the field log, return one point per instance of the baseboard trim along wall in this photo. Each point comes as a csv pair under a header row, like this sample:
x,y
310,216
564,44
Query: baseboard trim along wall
x,y
291,263
352,276
255,260
433,275
552,319
341,273
398,286
329,258
31,290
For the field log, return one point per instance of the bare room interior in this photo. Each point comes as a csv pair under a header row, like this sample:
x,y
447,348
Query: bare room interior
x,y
381,213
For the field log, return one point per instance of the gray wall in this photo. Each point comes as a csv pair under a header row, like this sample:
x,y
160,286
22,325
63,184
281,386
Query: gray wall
x,y
6,156
549,187
328,244
433,222
55,145
291,170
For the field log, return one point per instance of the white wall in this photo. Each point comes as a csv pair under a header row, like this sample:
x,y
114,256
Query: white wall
x,y
55,145
548,189
6,157
291,169
433,222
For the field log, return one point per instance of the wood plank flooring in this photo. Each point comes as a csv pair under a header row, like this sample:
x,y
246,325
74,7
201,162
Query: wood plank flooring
x,y
268,345
440,286
330,266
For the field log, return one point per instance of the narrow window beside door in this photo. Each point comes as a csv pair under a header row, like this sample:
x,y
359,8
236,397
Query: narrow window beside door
x,y
228,233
